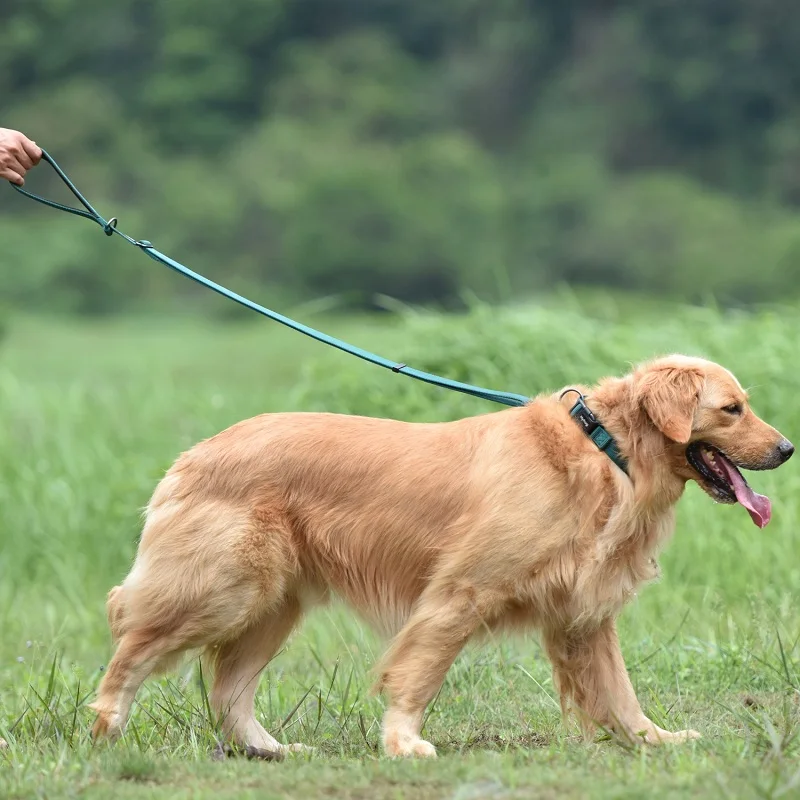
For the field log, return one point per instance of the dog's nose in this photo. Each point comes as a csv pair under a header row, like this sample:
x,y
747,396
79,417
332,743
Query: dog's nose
x,y
785,448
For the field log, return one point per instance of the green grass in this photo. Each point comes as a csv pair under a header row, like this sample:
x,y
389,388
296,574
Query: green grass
x,y
93,415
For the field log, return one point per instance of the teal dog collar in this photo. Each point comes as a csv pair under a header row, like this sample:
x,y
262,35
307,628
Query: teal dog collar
x,y
591,426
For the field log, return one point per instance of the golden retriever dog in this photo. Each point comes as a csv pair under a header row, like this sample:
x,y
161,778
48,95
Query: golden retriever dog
x,y
434,533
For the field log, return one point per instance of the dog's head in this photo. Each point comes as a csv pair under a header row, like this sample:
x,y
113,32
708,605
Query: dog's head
x,y
703,412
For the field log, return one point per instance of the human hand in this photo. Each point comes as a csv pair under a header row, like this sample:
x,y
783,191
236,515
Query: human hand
x,y
18,154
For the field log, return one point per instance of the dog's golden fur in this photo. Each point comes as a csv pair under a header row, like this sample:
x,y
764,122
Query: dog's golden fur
x,y
433,532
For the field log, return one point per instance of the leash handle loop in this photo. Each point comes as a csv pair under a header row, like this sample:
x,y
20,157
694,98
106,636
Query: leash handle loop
x,y
90,212
110,227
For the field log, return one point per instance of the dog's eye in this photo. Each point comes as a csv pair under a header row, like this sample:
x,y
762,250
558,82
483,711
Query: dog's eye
x,y
735,408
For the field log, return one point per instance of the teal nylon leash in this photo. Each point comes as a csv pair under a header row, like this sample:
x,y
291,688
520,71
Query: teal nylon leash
x,y
110,228
595,431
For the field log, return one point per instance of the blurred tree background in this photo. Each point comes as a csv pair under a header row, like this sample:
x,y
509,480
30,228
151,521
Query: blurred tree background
x,y
422,150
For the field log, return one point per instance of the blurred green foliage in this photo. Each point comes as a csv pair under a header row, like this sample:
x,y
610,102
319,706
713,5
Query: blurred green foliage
x,y
404,147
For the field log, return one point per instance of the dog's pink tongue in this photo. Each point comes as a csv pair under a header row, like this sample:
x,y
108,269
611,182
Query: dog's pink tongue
x,y
758,505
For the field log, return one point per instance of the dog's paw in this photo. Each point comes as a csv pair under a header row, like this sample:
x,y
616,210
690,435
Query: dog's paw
x,y
408,747
108,726
685,736
297,747
423,749
657,736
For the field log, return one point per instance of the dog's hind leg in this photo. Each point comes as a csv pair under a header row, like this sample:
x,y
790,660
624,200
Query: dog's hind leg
x,y
115,611
137,655
201,577
160,638
238,664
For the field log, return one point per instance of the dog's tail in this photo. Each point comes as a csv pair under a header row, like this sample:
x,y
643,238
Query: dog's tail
x,y
115,609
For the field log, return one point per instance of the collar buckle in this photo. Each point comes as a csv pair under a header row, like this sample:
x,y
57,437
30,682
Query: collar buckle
x,y
584,416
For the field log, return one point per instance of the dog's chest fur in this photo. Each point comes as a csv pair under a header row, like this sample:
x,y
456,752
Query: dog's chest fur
x,y
591,575
621,559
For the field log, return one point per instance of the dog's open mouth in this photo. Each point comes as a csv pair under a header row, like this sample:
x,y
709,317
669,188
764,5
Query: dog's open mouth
x,y
723,481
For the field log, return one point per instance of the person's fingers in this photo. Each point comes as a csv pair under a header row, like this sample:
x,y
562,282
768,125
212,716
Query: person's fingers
x,y
33,151
10,175
23,159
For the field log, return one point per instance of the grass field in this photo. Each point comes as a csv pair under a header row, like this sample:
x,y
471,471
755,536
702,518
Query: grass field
x,y
93,415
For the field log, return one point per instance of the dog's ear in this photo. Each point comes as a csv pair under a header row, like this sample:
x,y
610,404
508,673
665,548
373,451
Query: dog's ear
x,y
669,396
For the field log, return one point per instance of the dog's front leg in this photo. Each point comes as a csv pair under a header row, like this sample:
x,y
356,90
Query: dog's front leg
x,y
416,663
591,676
